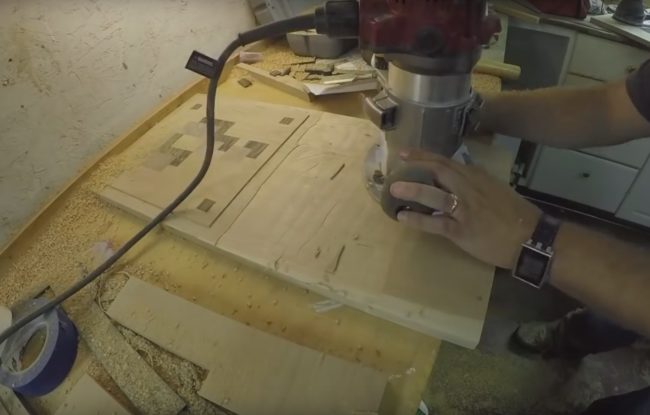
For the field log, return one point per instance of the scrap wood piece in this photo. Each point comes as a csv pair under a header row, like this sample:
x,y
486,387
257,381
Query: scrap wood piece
x,y
284,83
139,382
87,397
501,69
10,403
244,82
250,372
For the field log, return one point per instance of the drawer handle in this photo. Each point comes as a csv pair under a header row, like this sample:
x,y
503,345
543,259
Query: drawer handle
x,y
585,175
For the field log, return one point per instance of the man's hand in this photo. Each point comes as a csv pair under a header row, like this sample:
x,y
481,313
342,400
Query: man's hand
x,y
490,220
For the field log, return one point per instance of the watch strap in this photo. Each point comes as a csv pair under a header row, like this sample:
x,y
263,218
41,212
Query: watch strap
x,y
546,231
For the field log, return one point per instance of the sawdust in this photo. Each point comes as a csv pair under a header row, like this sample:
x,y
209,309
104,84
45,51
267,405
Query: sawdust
x,y
97,372
483,82
184,377
61,252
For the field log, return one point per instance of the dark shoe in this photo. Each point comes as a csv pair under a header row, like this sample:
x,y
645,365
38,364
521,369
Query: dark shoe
x,y
537,337
547,339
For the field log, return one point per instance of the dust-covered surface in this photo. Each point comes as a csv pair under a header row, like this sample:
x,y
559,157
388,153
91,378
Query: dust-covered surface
x,y
473,382
70,243
495,381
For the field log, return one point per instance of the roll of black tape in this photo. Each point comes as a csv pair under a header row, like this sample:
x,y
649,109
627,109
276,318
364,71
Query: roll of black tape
x,y
53,362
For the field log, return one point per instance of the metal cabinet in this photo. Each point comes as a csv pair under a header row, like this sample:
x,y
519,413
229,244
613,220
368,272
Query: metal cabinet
x,y
635,153
582,178
612,179
604,60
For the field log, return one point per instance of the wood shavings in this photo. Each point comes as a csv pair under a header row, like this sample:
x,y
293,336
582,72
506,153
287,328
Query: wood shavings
x,y
183,376
325,306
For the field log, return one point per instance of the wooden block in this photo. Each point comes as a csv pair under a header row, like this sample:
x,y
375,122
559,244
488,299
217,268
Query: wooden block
x,y
88,398
500,69
244,82
251,372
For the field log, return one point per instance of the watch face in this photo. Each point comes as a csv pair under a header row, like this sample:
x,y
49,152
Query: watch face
x,y
532,265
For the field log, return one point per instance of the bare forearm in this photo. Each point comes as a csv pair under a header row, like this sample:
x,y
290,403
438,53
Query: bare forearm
x,y
566,117
608,275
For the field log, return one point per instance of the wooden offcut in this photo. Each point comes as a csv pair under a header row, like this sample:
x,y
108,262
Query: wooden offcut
x,y
88,398
250,372
500,69
140,383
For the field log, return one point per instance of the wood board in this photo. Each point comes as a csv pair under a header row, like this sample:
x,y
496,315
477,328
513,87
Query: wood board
x,y
88,398
306,221
250,372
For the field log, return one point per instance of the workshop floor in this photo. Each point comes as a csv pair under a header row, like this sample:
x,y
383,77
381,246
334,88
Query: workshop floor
x,y
494,381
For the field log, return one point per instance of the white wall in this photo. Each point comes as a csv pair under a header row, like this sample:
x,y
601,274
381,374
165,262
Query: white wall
x,y
74,74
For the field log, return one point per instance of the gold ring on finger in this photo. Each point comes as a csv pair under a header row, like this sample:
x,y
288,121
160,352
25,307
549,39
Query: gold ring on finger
x,y
454,204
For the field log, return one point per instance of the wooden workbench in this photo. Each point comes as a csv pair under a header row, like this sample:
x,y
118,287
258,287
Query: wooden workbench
x,y
64,240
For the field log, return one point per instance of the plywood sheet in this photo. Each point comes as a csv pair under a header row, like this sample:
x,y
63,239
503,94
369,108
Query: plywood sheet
x,y
88,398
314,222
306,216
250,372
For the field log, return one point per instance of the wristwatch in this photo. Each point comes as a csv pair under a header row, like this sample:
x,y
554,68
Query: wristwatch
x,y
534,263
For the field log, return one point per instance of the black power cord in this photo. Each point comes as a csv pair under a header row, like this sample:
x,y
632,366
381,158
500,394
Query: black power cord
x,y
213,69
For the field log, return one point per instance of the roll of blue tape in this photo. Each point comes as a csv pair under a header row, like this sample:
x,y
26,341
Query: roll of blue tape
x,y
56,356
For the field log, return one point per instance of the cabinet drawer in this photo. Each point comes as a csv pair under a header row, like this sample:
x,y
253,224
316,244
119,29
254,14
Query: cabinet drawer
x,y
634,153
582,178
580,81
604,59
636,206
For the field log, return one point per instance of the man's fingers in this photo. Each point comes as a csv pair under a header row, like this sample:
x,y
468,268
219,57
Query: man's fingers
x,y
420,155
438,225
447,177
430,196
